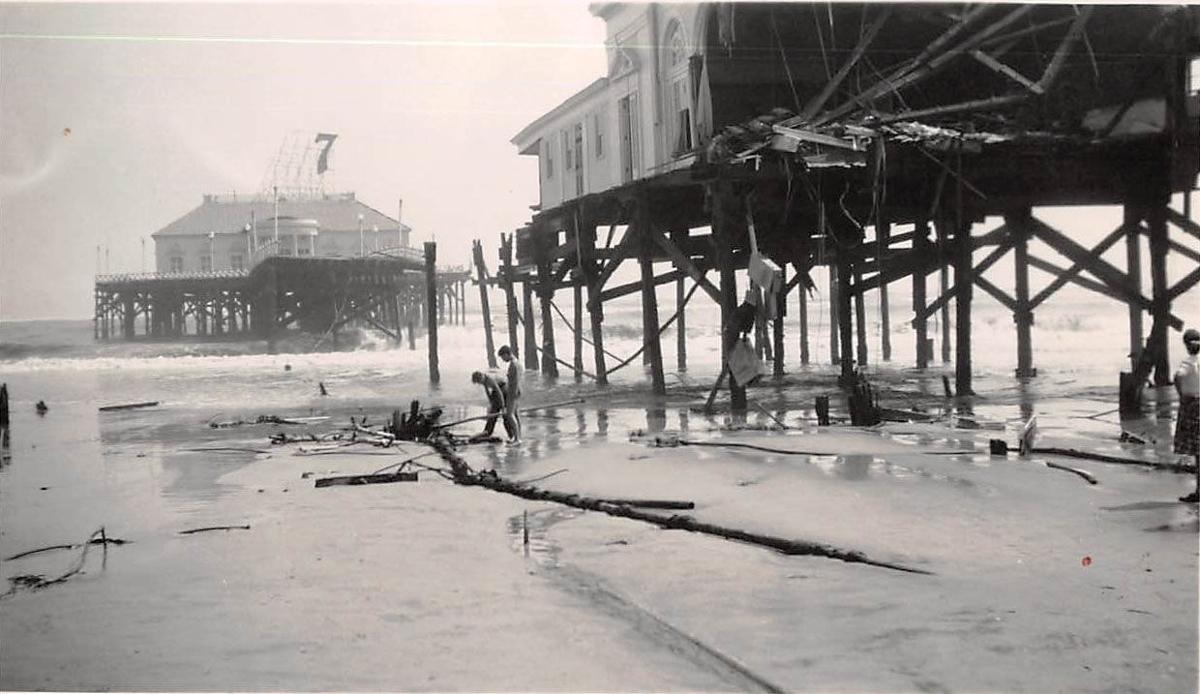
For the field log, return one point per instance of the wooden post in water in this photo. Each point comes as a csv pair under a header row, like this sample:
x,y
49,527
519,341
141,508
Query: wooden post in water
x,y
545,296
1133,268
964,280
944,281
431,292
883,233
843,309
835,356
723,216
860,314
485,308
650,321
577,295
587,260
510,296
1156,220
530,348
130,315
679,236
804,355
1018,224
777,324
920,248
270,306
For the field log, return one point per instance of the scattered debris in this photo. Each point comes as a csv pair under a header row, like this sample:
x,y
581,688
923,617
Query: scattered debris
x,y
51,548
37,581
225,449
385,478
1082,473
129,406
41,407
211,528
321,385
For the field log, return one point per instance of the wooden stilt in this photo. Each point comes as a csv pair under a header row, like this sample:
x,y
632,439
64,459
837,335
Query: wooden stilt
x,y
481,275
577,296
883,231
680,236
723,216
777,324
1018,227
860,317
845,325
1156,220
944,282
510,295
432,293
835,356
130,316
545,296
804,355
920,323
964,279
530,348
1133,268
270,307
587,263
650,303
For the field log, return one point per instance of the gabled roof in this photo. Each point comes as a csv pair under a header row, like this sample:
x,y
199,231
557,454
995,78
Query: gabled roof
x,y
571,101
333,213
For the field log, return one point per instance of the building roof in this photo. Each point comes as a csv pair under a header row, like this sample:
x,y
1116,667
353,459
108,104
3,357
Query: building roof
x,y
338,212
571,102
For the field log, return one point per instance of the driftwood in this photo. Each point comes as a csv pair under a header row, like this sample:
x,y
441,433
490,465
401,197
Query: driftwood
x,y
37,582
524,410
1085,455
351,480
464,475
211,528
653,503
1082,473
225,449
130,406
51,548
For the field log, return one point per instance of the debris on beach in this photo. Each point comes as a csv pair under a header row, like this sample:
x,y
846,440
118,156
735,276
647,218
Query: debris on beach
x,y
41,408
39,581
212,528
129,406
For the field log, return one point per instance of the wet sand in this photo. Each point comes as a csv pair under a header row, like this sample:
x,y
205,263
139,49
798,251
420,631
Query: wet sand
x,y
1039,580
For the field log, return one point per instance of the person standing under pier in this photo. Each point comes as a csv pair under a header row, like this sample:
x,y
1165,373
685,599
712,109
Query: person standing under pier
x,y
1187,426
512,394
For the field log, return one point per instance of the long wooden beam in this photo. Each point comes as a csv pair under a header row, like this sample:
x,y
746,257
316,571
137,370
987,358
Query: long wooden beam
x,y
978,270
818,102
1074,270
1184,284
1180,220
997,293
684,263
634,287
1174,245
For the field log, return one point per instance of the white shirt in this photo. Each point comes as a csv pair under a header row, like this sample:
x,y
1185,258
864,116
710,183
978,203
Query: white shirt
x,y
1187,378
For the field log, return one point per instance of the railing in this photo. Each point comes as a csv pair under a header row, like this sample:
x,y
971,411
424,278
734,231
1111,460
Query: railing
x,y
401,252
145,276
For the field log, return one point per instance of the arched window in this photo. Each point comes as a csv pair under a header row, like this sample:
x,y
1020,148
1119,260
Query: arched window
x,y
677,84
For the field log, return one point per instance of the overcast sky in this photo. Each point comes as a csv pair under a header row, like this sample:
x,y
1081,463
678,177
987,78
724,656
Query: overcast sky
x,y
116,119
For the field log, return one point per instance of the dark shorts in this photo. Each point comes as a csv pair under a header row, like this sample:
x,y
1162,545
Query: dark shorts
x,y
1187,427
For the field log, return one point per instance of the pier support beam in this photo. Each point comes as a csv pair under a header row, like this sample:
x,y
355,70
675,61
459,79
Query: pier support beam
x,y
777,324
650,321
843,311
270,307
577,337
803,289
1133,268
1018,224
679,237
723,216
510,296
944,286
883,233
431,292
835,356
591,275
964,280
860,317
920,323
530,346
545,296
1156,220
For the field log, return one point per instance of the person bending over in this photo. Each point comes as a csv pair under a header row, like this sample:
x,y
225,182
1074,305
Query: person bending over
x,y
495,394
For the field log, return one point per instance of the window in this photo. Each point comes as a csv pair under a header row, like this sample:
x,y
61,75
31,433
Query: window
x,y
206,263
566,141
678,126
627,121
577,136
237,261
548,155
303,250
176,263
598,135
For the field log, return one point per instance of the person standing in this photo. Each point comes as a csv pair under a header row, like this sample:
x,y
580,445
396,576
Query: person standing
x,y
1187,425
495,394
512,394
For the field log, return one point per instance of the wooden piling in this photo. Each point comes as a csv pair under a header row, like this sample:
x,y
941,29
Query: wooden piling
x,y
510,296
944,285
485,308
964,280
680,236
1156,220
777,324
835,356
650,320
883,232
1133,268
1018,224
804,355
130,315
587,246
545,297
860,316
723,216
577,336
530,348
431,292
920,323
845,325
270,306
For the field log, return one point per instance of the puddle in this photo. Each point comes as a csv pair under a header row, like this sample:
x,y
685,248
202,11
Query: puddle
x,y
540,549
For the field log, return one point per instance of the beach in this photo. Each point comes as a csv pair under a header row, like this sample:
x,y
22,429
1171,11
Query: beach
x,y
1030,578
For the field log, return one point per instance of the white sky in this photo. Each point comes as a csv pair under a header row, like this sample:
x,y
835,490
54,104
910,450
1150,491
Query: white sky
x,y
167,102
